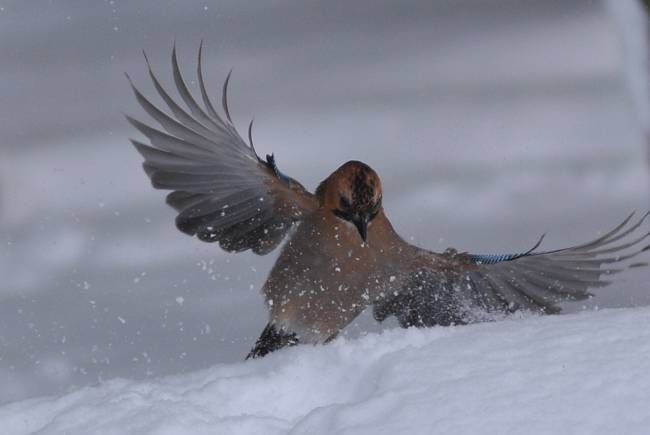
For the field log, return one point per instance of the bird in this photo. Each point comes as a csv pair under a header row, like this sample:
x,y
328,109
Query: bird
x,y
340,254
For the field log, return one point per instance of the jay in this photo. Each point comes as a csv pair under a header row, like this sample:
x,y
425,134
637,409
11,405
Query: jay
x,y
342,254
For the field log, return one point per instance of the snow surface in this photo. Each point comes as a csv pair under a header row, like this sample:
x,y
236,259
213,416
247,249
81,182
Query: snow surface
x,y
586,373
490,123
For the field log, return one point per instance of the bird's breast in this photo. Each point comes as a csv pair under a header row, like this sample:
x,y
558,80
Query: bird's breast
x,y
324,276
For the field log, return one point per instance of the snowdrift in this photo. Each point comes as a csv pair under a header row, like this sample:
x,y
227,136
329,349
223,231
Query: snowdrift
x,y
583,373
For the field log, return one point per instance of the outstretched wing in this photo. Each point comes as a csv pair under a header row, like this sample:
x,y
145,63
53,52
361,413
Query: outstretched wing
x,y
222,190
461,288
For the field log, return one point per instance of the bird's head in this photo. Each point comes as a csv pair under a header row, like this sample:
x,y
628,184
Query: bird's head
x,y
353,194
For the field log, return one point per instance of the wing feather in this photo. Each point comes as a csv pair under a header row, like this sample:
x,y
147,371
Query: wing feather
x,y
532,281
222,190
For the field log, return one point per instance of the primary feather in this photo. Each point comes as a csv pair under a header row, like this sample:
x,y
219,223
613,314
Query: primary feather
x,y
221,189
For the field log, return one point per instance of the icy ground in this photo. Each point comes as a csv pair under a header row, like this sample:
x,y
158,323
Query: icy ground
x,y
586,373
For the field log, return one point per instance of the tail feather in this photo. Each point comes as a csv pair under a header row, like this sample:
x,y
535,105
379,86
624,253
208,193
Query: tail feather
x,y
271,340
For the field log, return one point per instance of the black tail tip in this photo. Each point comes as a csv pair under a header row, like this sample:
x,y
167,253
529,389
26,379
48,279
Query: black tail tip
x,y
271,340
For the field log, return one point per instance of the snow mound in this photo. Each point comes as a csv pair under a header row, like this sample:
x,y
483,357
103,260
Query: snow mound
x,y
583,373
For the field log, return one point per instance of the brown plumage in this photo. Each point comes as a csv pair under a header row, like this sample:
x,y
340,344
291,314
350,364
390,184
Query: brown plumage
x,y
342,254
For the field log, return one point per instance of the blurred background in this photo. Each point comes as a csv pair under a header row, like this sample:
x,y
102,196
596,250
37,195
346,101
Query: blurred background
x,y
490,122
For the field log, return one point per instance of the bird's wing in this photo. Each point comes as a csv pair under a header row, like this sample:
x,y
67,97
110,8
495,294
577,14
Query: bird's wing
x,y
222,190
460,287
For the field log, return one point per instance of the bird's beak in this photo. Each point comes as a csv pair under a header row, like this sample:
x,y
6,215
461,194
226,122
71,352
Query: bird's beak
x,y
362,226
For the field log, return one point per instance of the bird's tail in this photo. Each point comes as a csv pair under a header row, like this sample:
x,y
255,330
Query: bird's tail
x,y
272,339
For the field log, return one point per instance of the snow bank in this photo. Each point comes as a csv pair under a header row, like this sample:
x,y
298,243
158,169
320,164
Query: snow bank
x,y
583,373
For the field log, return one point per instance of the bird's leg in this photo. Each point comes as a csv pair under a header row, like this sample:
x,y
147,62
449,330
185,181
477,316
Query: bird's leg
x,y
271,340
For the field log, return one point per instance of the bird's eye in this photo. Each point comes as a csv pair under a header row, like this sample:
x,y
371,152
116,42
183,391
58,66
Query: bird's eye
x,y
345,209
343,214
344,203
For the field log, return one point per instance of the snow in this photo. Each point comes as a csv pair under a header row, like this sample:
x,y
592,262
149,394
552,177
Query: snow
x,y
585,373
475,115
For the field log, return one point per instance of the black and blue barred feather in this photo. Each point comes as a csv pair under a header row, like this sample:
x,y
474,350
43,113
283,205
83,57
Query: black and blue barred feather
x,y
498,258
493,258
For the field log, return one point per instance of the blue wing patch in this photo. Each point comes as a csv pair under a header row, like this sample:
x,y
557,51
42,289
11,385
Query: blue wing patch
x,y
498,258
493,258
270,161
